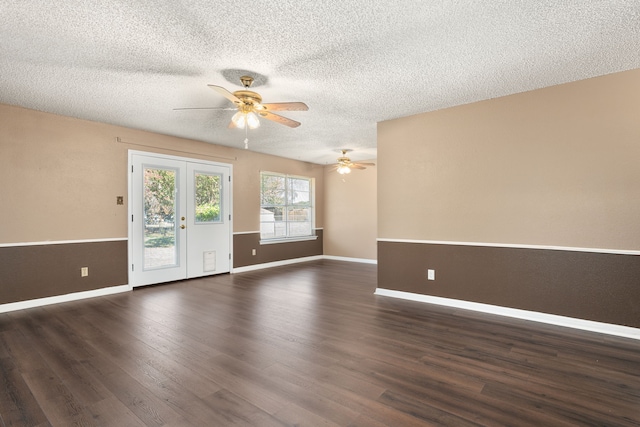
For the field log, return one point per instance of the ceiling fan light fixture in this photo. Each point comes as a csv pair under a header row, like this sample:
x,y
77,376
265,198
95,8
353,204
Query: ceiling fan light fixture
x,y
242,119
344,169
252,120
239,119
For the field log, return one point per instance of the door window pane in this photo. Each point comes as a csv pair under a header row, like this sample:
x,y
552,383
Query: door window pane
x,y
159,218
208,196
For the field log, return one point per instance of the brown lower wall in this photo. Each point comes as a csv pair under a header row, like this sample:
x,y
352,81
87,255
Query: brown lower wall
x,y
39,271
244,243
583,285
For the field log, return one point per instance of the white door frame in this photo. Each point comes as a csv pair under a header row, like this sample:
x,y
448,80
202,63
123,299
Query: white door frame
x,y
130,208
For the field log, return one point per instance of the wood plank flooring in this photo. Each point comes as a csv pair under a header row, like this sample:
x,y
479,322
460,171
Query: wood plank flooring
x,y
303,345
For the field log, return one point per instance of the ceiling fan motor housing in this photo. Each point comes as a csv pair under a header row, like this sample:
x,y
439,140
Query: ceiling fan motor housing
x,y
248,97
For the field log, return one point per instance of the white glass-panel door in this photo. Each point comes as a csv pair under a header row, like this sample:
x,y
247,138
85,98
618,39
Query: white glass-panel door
x,y
209,227
180,219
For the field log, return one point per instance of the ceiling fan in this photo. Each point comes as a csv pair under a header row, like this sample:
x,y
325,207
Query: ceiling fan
x,y
249,105
344,164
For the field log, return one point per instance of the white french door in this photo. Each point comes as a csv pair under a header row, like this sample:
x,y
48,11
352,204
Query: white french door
x,y
180,218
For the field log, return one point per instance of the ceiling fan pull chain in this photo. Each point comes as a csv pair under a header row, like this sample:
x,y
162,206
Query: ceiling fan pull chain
x,y
246,137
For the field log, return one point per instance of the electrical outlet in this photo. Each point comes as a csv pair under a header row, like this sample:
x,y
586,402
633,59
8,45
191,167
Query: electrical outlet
x,y
119,200
253,252
431,274
84,271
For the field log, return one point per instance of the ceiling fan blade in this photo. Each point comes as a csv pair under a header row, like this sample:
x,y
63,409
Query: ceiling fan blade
x,y
277,118
356,166
222,91
206,108
365,164
286,106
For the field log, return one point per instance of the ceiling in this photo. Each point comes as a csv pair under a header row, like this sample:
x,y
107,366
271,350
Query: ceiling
x,y
353,62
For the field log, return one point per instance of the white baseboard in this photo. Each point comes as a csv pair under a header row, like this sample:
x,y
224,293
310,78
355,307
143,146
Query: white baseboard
x,y
342,258
275,264
552,319
297,260
21,305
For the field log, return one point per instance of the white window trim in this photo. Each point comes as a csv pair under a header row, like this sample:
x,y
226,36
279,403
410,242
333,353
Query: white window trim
x,y
287,239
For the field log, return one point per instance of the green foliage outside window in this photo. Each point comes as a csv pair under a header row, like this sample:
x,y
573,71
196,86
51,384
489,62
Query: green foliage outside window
x,y
207,213
207,198
159,195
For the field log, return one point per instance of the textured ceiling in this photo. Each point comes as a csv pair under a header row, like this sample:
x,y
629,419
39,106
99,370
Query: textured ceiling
x,y
354,63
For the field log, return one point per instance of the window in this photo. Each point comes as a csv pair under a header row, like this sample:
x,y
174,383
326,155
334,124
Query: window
x,y
208,192
286,206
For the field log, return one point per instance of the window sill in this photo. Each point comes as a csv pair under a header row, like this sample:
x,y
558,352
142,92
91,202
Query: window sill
x,y
287,240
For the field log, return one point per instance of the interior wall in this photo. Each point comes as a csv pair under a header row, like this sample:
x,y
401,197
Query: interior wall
x,y
551,168
351,216
60,177
556,166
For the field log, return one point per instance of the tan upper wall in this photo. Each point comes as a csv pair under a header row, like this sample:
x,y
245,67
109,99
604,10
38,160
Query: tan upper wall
x,y
557,166
60,176
351,213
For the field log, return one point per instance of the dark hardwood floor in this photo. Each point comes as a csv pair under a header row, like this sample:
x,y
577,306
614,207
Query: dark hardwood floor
x,y
308,345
